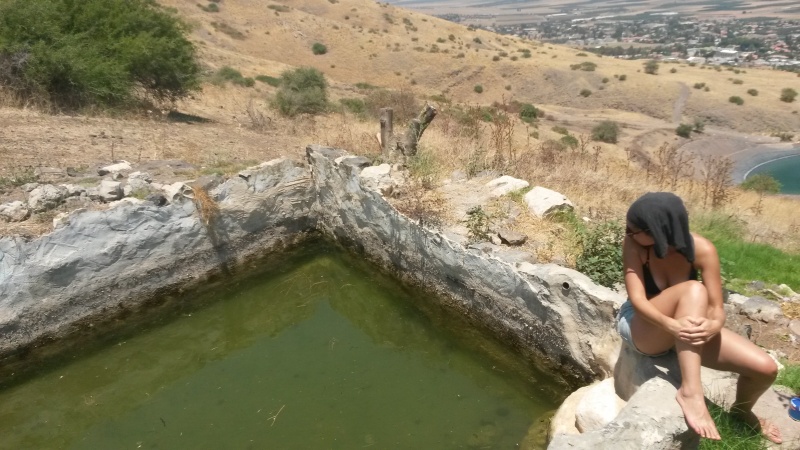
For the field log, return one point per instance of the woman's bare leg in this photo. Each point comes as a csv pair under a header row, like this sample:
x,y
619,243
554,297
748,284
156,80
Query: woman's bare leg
x,y
689,298
757,371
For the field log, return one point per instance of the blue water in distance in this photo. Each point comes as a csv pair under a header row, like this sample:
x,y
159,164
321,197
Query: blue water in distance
x,y
319,352
785,170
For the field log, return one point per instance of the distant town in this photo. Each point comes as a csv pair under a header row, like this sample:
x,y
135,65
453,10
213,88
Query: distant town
x,y
747,42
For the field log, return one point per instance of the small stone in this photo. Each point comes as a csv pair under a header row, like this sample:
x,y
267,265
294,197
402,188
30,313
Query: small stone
x,y
28,187
495,239
509,237
794,326
14,212
756,285
117,176
543,202
110,190
46,197
759,308
506,184
122,166
157,199
457,176
60,220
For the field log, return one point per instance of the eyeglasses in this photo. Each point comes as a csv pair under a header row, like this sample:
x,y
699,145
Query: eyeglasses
x,y
631,233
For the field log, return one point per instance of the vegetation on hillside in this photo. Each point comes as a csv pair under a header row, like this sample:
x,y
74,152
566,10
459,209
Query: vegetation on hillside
x,y
73,54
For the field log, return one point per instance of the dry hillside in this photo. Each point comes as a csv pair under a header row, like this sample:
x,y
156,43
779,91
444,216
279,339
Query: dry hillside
x,y
226,127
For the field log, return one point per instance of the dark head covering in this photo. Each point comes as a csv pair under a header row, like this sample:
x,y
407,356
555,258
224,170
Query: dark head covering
x,y
664,217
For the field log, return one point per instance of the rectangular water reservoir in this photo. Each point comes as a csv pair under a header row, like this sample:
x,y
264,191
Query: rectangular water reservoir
x,y
318,351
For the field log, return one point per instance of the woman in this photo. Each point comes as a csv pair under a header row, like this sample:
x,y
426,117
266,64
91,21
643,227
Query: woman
x,y
669,308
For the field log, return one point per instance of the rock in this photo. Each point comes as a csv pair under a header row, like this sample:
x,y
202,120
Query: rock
x,y
737,299
46,197
378,178
117,176
144,176
786,291
598,407
14,212
509,237
208,182
77,202
60,220
543,202
495,239
157,199
457,176
759,308
122,166
73,190
563,422
72,172
505,184
94,194
794,326
176,191
108,191
28,187
756,285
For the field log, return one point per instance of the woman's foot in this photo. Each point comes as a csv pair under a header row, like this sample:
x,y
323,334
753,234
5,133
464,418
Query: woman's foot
x,y
767,428
697,416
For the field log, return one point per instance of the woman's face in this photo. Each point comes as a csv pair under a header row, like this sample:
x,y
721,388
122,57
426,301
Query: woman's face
x,y
640,236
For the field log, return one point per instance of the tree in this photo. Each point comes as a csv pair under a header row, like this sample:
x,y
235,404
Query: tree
x,y
651,67
762,183
788,95
606,131
319,49
94,52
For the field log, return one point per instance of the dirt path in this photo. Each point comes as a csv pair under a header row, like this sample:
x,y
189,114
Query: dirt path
x,y
680,103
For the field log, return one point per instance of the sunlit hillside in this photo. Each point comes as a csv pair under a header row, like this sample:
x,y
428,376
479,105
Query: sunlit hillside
x,y
393,47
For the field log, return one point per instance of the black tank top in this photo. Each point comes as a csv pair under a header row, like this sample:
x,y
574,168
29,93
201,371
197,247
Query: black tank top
x,y
651,289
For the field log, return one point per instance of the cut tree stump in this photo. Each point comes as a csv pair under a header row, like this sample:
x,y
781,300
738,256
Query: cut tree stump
x,y
399,148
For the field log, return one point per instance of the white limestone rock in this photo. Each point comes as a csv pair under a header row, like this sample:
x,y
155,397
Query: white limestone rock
x,y
108,191
46,197
506,184
542,202
598,407
120,167
14,212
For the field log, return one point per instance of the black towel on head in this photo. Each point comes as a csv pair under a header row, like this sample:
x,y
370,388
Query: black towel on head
x,y
664,217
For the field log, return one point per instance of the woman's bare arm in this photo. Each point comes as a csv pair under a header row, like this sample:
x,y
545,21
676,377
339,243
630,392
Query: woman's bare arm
x,y
707,261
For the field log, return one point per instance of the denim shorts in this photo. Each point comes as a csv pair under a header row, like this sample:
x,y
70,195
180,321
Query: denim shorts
x,y
624,320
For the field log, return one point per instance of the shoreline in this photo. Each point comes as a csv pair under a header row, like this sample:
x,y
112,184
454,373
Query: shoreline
x,y
758,155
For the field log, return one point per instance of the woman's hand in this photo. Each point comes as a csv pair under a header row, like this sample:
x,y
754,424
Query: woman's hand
x,y
697,330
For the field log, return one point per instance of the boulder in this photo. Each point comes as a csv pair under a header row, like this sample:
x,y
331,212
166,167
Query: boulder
x,y
563,422
509,237
176,191
120,167
598,407
73,190
506,184
46,197
28,187
759,308
794,326
108,191
14,212
378,178
542,202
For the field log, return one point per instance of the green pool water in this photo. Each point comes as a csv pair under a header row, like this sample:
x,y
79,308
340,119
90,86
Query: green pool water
x,y
315,352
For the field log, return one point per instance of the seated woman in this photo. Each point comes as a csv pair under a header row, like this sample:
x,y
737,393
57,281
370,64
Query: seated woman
x,y
669,308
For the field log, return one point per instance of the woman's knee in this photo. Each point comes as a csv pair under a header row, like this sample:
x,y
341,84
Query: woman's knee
x,y
763,367
695,293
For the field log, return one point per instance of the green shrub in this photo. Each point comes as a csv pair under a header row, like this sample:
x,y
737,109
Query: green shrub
x,y
229,74
586,66
604,80
651,67
606,131
223,27
735,99
319,49
673,70
761,183
753,92
570,141
737,81
788,95
699,126
560,130
365,86
495,58
478,88
477,40
601,256
302,91
684,130
623,77
528,113
72,54
212,7
403,102
585,92
279,8
355,106
272,81
789,377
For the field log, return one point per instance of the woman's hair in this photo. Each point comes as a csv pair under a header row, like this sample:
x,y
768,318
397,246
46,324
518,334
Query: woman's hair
x,y
663,216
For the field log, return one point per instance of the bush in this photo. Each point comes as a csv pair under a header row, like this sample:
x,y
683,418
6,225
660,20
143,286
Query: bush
x,y
528,113
601,255
761,183
302,91
478,88
736,100
272,81
673,70
606,131
684,130
737,81
699,85
586,66
753,92
570,141
355,106
477,40
560,130
585,92
651,67
623,77
319,49
788,95
94,52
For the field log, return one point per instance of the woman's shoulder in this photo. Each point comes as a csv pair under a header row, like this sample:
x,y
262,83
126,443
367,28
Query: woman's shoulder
x,y
703,247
